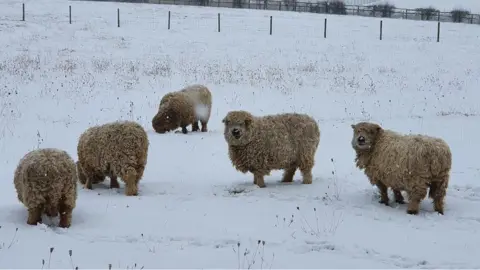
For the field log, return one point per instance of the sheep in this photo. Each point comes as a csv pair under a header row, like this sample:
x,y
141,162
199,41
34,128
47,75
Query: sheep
x,y
116,149
190,105
403,162
46,183
274,142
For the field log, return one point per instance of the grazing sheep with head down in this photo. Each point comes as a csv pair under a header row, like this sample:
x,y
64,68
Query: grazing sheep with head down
x,y
182,108
46,183
261,144
118,149
403,162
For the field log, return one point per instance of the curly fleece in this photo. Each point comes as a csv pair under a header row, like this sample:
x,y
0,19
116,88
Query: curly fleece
x,y
46,183
404,162
118,149
285,141
182,108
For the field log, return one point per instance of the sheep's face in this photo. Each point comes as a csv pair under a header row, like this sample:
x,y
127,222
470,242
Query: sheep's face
x,y
165,120
238,128
365,135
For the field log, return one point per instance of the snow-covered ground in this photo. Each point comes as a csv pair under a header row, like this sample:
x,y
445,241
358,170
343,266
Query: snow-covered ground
x,y
193,209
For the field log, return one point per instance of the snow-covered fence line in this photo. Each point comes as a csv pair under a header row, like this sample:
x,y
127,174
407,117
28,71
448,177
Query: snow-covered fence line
x,y
335,11
365,8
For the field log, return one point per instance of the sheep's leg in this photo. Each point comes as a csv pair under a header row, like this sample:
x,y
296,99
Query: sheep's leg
x,y
195,126
81,176
114,182
416,195
65,207
288,174
306,174
139,172
438,191
305,164
88,183
398,196
258,179
130,178
383,193
35,215
204,126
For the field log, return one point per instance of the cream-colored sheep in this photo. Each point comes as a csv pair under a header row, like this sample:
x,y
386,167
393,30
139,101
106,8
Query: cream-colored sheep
x,y
261,144
182,108
403,162
118,149
46,183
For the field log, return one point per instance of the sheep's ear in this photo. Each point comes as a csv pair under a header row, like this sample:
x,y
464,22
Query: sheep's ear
x,y
224,120
353,126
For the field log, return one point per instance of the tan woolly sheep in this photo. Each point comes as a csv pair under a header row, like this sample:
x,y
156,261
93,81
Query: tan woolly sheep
x,y
403,162
46,183
118,149
261,144
182,108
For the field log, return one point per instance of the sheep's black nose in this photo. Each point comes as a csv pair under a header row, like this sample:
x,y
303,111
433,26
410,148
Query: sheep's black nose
x,y
361,140
235,132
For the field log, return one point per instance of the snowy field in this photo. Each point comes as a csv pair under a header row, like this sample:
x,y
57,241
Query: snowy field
x,y
193,209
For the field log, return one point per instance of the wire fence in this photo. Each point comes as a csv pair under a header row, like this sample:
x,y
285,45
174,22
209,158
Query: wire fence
x,y
25,16
365,8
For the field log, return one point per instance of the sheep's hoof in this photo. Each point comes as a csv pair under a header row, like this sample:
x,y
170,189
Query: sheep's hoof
x,y
261,186
184,130
383,202
33,223
412,212
400,201
131,192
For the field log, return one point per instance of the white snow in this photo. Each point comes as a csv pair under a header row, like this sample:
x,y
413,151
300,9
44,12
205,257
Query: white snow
x,y
58,79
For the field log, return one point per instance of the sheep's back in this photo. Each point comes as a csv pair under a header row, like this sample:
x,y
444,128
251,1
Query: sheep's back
x,y
44,175
279,140
301,131
113,146
397,160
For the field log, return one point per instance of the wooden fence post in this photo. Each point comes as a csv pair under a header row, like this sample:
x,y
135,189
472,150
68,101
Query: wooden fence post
x,y
118,17
271,25
23,11
169,20
325,29
219,22
438,32
70,14
381,29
